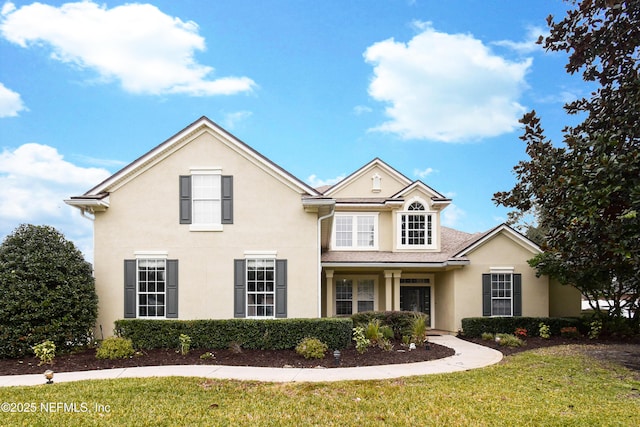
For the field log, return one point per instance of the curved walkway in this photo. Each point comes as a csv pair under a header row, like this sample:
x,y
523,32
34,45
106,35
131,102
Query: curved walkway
x,y
467,356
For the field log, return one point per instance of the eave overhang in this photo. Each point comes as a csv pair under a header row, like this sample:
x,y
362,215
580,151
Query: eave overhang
x,y
438,265
91,204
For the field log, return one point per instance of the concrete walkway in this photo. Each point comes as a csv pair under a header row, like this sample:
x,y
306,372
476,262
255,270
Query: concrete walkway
x,y
468,356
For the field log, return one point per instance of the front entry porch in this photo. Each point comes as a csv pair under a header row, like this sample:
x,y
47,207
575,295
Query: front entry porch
x,y
348,292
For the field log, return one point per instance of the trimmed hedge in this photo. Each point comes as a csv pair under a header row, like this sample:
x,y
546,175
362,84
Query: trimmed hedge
x,y
474,327
268,334
401,322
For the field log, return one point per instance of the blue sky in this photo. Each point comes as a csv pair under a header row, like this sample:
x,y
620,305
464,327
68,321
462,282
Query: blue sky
x,y
434,88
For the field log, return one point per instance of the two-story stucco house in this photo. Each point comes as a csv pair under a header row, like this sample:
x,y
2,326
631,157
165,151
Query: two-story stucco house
x,y
204,227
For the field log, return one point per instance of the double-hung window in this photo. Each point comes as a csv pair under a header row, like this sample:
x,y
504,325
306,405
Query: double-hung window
x,y
206,199
151,287
354,296
501,294
261,287
416,227
355,231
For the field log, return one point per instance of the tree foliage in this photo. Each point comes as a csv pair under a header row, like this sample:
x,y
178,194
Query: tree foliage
x,y
586,192
47,291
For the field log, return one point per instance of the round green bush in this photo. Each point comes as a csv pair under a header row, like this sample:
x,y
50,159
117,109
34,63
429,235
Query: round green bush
x,y
115,348
47,292
311,348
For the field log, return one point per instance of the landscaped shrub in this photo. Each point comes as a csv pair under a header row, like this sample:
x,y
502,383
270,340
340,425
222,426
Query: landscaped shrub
x,y
400,322
115,348
508,340
268,334
45,351
47,292
570,332
311,348
419,330
185,344
362,342
473,327
544,331
487,336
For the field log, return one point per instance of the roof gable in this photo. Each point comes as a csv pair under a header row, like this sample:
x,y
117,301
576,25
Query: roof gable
x,y
359,183
504,229
184,137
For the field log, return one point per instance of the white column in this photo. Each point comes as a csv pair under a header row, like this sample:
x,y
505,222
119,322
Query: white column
x,y
388,289
331,311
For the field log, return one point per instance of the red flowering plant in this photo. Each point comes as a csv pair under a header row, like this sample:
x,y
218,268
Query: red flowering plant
x,y
520,332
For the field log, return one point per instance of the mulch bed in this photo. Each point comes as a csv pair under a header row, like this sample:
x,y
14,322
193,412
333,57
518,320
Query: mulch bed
x,y
624,353
86,360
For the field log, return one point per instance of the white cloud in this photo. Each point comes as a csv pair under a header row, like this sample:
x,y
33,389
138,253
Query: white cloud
x,y
10,102
529,44
361,109
148,51
445,87
316,182
452,215
35,179
423,173
232,119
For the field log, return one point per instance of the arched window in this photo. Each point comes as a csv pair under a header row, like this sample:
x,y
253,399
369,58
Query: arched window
x,y
416,226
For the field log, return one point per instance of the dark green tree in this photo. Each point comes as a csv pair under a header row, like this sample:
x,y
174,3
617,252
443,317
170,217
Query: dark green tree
x,y
586,191
47,291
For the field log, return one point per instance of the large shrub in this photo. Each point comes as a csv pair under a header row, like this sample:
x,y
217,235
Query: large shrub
x,y
47,291
474,327
268,334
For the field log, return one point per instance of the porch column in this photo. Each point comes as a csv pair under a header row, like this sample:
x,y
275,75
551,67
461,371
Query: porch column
x,y
330,297
396,289
388,290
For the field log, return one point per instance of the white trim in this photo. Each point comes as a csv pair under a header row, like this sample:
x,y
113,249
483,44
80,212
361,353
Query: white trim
x,y
366,169
260,254
354,231
215,170
206,227
505,270
435,226
151,254
354,291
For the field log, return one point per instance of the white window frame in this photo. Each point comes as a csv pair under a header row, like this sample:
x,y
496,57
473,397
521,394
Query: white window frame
x,y
355,217
216,172
430,217
355,297
264,257
506,272
143,257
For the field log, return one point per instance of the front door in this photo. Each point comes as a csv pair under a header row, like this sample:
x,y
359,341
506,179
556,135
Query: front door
x,y
416,298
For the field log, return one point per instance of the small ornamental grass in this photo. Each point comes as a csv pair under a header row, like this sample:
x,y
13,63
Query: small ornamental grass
x,y
311,348
115,348
508,340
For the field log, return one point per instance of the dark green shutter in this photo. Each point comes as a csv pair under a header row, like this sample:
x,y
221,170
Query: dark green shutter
x,y
130,272
486,294
171,310
185,199
281,288
239,288
517,294
227,199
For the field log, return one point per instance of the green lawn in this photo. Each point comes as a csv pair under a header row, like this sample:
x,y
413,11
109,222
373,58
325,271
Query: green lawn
x,y
544,387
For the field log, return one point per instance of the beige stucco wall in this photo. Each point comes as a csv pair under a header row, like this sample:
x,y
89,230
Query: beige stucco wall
x,y
564,301
362,186
268,216
444,291
501,251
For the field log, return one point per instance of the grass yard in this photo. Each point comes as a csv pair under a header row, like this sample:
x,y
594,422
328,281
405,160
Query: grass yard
x,y
549,387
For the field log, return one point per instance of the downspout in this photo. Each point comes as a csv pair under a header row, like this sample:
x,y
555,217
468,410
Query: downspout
x,y
322,218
